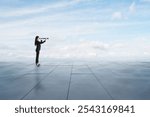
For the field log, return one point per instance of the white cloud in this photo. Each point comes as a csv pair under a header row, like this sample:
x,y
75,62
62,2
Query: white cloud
x,y
83,1
35,9
121,15
123,50
100,50
132,8
145,0
117,15
82,49
78,0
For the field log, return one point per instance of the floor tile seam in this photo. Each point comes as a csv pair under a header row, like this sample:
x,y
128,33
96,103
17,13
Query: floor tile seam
x,y
100,83
38,83
112,71
22,75
82,74
68,92
18,77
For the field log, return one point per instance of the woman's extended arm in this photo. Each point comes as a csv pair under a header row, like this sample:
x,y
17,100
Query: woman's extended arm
x,y
41,42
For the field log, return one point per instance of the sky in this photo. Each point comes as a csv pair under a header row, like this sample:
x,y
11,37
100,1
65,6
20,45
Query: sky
x,y
93,29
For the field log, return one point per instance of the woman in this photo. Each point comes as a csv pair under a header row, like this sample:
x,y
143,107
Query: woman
x,y
38,47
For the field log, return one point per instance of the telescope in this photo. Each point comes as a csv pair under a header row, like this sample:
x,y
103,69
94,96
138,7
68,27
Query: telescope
x,y
44,38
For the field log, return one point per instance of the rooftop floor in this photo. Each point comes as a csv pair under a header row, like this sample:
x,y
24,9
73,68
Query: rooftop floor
x,y
69,80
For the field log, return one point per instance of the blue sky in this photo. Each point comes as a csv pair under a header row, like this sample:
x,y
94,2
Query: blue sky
x,y
97,28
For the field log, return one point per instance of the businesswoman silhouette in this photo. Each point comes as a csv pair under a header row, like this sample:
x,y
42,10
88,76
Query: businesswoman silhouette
x,y
38,43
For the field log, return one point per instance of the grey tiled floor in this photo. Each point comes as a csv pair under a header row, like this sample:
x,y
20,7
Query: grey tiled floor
x,y
69,80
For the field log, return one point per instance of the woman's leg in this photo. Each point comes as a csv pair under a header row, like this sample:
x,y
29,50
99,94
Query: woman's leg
x,y
37,57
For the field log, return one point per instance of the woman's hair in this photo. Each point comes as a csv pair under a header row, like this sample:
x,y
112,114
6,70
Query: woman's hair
x,y
36,39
